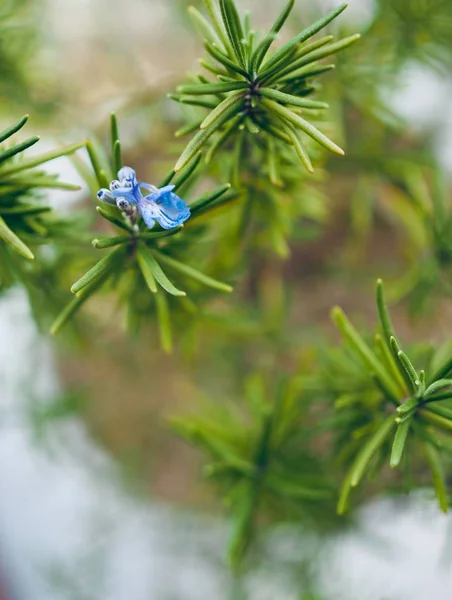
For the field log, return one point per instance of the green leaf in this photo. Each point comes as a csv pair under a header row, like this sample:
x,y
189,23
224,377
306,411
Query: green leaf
x,y
6,154
411,377
70,309
202,25
243,529
210,6
109,242
273,163
192,273
222,74
439,479
300,148
223,136
443,371
15,242
399,443
216,53
101,177
440,410
203,201
438,385
157,272
116,162
38,182
364,352
292,44
295,61
196,101
369,449
9,131
212,88
392,365
187,129
25,209
291,100
146,271
319,54
304,125
383,314
225,105
164,322
42,158
118,222
188,172
306,72
201,138
436,419
408,406
233,26
344,494
100,268
264,46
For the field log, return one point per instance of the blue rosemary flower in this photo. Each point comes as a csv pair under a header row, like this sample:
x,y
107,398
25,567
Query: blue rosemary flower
x,y
160,204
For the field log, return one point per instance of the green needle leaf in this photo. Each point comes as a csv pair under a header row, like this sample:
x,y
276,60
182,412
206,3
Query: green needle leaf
x,y
97,272
438,385
101,177
411,378
299,148
201,138
364,352
164,322
6,133
383,314
436,419
15,242
118,222
157,272
203,201
212,88
5,155
399,443
443,371
202,25
318,54
369,449
187,173
227,103
292,44
110,241
209,4
264,46
295,61
146,270
291,100
233,28
216,53
437,471
193,273
42,158
304,125
74,305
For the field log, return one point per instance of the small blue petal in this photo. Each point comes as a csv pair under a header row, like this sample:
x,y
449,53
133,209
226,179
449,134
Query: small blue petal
x,y
105,195
165,207
127,175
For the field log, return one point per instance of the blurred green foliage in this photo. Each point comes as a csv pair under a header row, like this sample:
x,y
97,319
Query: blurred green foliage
x,y
316,416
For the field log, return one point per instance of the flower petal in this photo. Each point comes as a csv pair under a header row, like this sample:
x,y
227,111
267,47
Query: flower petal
x,y
127,176
166,208
105,195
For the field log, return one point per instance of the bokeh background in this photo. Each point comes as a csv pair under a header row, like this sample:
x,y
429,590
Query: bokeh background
x,y
98,498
